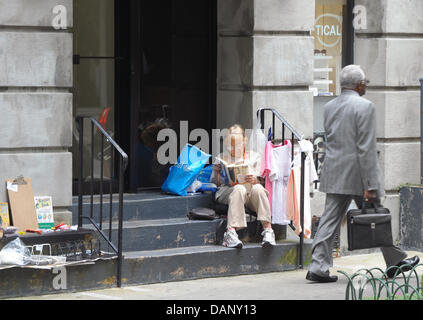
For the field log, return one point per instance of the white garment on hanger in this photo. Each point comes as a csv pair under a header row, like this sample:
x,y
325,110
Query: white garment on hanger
x,y
279,175
310,176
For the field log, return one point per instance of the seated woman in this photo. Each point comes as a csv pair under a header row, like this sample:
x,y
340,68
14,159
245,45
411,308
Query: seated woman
x,y
250,192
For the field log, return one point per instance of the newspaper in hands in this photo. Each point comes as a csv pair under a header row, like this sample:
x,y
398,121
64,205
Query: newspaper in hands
x,y
235,173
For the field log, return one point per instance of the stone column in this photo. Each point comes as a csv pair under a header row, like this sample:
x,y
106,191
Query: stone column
x,y
36,100
390,51
265,59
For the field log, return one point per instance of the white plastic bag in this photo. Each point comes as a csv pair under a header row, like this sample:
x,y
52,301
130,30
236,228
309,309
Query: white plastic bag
x,y
194,187
15,253
257,141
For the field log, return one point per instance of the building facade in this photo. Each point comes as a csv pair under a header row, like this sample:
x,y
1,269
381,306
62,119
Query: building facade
x,y
213,63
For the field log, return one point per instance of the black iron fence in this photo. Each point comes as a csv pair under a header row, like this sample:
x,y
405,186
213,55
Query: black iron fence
x,y
115,153
295,137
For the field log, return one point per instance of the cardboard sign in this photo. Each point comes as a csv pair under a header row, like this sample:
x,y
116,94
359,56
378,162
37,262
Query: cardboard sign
x,y
22,206
44,209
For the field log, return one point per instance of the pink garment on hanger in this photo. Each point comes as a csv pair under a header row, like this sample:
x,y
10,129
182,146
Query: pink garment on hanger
x,y
292,201
266,167
294,194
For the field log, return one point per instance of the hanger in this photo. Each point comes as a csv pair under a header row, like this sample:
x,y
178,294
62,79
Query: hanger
x,y
270,137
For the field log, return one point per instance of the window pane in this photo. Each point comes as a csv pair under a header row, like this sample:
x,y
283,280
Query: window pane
x,y
328,47
94,27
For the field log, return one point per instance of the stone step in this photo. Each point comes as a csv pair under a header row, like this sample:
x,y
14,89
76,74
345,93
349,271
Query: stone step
x,y
143,206
53,238
164,233
156,266
188,263
180,232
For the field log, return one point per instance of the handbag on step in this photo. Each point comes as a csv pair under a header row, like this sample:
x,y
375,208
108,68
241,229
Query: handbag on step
x,y
202,214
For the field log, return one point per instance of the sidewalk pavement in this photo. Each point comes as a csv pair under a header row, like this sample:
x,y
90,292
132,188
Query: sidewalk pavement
x,y
288,285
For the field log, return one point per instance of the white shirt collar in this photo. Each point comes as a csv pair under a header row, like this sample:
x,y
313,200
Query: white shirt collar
x,y
350,92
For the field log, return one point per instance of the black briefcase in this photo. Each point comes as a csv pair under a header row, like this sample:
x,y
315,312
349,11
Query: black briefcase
x,y
369,228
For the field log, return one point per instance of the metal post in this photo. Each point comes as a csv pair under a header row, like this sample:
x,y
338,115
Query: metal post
x,y
120,228
80,126
112,151
421,131
303,158
92,172
101,181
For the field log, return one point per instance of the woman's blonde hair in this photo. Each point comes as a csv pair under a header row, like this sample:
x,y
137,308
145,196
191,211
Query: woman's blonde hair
x,y
228,140
237,126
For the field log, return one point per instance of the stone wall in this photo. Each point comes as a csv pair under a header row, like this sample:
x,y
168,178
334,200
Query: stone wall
x,y
265,59
36,100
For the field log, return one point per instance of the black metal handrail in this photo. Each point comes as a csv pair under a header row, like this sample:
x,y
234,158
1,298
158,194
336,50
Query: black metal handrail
x,y
421,130
123,164
298,137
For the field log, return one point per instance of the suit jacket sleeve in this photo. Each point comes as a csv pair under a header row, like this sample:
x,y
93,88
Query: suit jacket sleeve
x,y
366,146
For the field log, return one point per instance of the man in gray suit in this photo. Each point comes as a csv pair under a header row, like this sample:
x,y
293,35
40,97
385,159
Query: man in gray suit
x,y
350,171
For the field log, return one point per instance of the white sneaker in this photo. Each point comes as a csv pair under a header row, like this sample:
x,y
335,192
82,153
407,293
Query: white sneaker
x,y
268,238
231,240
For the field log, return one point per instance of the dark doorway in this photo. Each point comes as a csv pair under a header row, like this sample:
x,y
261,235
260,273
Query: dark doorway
x,y
150,61
176,62
96,80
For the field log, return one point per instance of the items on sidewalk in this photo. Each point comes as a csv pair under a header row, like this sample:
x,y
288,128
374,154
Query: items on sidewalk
x,y
9,231
28,213
29,218
41,254
15,253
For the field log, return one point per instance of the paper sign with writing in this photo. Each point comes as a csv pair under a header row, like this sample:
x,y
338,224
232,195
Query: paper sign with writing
x,y
44,209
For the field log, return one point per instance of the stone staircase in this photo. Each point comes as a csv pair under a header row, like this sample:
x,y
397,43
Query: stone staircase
x,y
161,244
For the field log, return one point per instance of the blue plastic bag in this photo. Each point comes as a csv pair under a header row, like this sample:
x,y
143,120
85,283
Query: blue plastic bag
x,y
205,174
207,187
182,175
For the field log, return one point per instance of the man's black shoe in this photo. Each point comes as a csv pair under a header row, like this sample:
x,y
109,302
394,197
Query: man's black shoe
x,y
316,278
404,266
